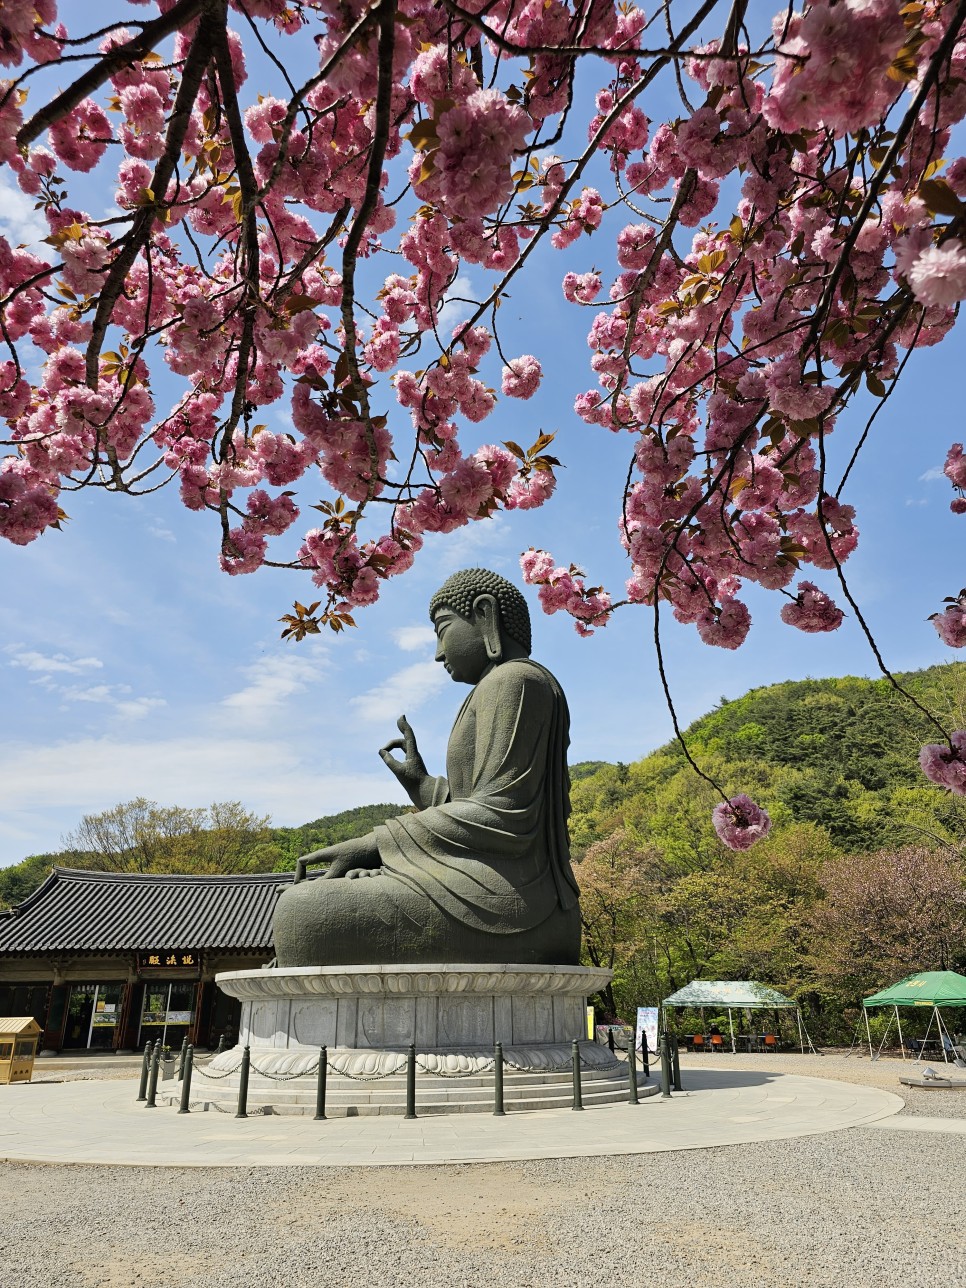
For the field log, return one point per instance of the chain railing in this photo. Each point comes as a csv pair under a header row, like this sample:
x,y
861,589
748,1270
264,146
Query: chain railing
x,y
410,1063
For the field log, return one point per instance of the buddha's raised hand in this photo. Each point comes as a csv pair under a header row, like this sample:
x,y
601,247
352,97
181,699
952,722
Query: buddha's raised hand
x,y
411,770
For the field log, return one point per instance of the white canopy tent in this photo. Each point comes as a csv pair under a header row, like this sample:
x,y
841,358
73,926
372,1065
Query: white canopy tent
x,y
737,994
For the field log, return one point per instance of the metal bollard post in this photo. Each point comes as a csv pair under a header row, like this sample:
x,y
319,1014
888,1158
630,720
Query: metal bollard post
x,y
153,1076
320,1090
665,1065
242,1111
676,1065
632,1095
183,1057
498,1109
411,1081
187,1065
645,1056
575,1061
145,1065
221,1045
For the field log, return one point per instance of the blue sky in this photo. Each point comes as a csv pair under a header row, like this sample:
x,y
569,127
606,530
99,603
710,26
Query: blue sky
x,y
130,665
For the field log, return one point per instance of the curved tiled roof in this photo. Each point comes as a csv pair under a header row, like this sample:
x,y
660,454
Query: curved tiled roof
x,y
80,911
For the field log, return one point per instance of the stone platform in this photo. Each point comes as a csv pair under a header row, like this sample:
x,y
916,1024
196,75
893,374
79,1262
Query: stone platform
x,y
368,1016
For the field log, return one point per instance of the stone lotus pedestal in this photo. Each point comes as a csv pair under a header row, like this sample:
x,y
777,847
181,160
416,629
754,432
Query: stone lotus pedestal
x,y
367,1017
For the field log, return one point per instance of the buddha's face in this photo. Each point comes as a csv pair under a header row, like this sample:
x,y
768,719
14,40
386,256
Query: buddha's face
x,y
460,645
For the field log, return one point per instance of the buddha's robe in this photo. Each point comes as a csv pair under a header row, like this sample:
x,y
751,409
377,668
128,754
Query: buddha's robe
x,y
480,875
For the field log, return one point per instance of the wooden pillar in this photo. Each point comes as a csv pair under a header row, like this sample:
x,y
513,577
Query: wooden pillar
x,y
53,1035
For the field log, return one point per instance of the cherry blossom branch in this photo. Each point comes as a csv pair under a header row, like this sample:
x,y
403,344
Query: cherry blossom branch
x,y
134,50
196,63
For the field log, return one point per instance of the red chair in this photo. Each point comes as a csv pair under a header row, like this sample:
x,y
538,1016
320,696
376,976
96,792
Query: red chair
x,y
770,1042
697,1041
717,1042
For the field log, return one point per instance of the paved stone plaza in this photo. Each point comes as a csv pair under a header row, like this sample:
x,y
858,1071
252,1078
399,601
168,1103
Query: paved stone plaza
x,y
768,1172
100,1122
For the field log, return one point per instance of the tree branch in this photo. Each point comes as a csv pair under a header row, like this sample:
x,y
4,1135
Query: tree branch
x,y
132,51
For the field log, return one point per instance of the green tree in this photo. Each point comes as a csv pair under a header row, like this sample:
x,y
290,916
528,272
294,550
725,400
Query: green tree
x,y
142,836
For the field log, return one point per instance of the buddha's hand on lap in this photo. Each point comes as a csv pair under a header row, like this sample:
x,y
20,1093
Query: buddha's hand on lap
x,y
358,857
353,873
411,770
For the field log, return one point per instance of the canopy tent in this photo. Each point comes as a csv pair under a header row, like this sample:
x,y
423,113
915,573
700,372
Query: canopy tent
x,y
933,988
736,994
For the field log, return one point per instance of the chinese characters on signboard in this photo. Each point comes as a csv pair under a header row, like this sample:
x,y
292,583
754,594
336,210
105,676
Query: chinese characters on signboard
x,y
177,958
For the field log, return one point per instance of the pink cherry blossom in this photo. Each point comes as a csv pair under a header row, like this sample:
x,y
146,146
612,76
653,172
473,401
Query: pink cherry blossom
x,y
955,466
521,378
951,623
938,275
739,822
725,626
945,764
812,610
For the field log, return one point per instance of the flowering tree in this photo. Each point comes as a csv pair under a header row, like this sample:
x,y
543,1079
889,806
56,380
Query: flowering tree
x,y
240,268
887,914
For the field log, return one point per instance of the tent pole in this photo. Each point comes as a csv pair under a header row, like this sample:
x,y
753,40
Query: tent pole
x,y
902,1045
884,1036
940,1026
732,1028
868,1031
801,1040
922,1049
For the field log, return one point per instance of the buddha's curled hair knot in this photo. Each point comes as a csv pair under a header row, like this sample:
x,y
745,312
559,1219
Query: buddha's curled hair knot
x,y
461,591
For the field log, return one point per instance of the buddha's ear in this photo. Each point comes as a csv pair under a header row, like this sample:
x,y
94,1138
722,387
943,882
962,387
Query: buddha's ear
x,y
487,613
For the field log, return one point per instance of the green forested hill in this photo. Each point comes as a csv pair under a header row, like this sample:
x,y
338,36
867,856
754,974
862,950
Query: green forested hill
x,y
839,753
294,841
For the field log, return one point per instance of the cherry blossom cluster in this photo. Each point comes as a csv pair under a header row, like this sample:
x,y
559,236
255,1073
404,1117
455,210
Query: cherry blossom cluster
x,y
443,140
950,624
945,764
739,822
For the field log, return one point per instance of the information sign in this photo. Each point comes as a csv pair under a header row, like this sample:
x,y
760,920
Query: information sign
x,y
647,1024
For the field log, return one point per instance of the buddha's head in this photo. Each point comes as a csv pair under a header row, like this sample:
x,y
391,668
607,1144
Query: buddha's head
x,y
481,619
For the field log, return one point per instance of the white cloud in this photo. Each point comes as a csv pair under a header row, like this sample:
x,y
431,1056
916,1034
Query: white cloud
x,y
19,222
468,546
161,531
932,474
113,695
455,310
405,691
274,680
96,693
413,639
138,708
49,788
58,662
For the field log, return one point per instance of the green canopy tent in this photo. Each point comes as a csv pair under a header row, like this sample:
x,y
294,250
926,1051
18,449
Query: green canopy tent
x,y
933,988
737,995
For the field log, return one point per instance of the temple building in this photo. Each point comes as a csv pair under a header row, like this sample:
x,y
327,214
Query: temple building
x,y
109,960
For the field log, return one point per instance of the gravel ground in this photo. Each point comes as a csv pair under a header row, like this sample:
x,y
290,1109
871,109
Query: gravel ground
x,y
856,1208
